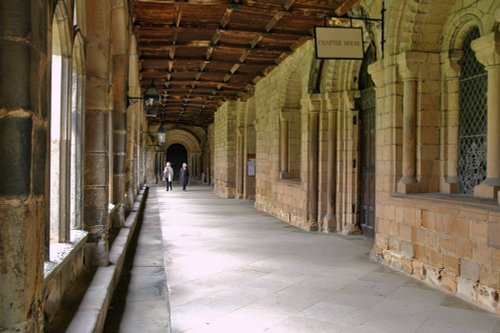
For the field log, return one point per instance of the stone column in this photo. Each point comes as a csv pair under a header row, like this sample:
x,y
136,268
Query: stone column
x,y
312,170
98,108
330,220
486,49
240,160
24,134
408,182
283,146
119,37
452,74
133,114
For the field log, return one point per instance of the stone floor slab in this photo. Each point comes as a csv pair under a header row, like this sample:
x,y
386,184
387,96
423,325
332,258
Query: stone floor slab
x,y
233,269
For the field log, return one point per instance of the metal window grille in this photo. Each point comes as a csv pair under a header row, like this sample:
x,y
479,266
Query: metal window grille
x,y
472,119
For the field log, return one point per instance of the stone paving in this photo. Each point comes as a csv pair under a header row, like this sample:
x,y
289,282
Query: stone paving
x,y
232,268
141,303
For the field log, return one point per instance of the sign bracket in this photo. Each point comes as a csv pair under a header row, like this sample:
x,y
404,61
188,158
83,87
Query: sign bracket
x,y
339,21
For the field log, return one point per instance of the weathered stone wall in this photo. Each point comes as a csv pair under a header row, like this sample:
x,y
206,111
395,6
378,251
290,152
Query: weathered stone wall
x,y
443,241
446,240
285,199
64,275
225,150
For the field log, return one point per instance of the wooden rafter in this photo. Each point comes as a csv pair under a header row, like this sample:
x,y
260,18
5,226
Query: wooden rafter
x,y
202,53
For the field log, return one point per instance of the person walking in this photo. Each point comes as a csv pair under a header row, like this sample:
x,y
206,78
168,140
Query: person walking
x,y
184,175
168,173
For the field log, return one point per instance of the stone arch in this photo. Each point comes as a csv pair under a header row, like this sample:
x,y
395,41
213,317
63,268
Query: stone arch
x,y
78,53
63,23
459,25
192,145
290,74
291,123
416,25
184,138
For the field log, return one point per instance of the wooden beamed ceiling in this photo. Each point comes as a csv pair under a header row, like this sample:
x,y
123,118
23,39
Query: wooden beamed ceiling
x,y
199,53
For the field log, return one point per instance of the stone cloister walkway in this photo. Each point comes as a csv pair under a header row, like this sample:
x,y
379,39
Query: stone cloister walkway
x,y
231,268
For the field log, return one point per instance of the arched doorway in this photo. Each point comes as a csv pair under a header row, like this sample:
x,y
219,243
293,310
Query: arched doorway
x,y
176,155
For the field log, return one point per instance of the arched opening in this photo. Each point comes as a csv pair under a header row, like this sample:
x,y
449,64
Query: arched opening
x,y
291,129
76,154
60,125
176,155
472,118
366,106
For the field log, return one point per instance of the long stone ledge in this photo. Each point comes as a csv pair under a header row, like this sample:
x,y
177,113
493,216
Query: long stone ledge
x,y
92,311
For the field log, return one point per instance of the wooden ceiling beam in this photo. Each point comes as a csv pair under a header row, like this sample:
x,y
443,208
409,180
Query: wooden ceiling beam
x,y
270,25
288,4
227,47
215,38
198,61
178,15
209,52
226,18
148,30
346,6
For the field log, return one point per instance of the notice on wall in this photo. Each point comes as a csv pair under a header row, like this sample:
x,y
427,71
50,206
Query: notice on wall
x,y
338,43
251,167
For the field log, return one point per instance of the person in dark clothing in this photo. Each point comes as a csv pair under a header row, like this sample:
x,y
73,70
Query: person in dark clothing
x,y
184,175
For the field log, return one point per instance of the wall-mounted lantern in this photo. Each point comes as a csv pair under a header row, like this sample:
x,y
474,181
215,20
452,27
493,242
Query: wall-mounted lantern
x,y
162,135
151,100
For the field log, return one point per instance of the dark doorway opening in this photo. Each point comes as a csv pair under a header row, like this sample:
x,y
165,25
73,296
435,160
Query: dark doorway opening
x,y
176,155
366,106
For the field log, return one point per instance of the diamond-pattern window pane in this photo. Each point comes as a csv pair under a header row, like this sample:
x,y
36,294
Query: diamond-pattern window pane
x,y
472,121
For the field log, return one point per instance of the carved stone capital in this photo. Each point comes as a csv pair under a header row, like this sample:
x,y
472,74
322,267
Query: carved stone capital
x,y
487,49
412,64
376,70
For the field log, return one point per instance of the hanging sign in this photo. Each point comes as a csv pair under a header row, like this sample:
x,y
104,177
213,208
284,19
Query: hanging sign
x,y
338,43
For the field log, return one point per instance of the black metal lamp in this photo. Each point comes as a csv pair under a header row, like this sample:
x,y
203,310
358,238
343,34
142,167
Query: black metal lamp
x,y
162,135
151,100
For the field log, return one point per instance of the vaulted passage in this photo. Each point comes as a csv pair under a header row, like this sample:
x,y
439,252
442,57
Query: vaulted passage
x,y
309,180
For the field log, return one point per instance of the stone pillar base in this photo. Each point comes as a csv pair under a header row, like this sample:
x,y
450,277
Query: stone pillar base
x,y
408,185
488,188
451,185
329,224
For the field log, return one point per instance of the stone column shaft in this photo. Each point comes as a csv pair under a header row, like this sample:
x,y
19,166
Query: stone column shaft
x,y
284,146
410,63
409,132
330,221
240,142
120,64
312,196
24,107
493,171
97,120
452,72
486,49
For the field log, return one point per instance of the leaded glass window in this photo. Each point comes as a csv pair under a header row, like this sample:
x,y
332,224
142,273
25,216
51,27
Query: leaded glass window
x,y
472,119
